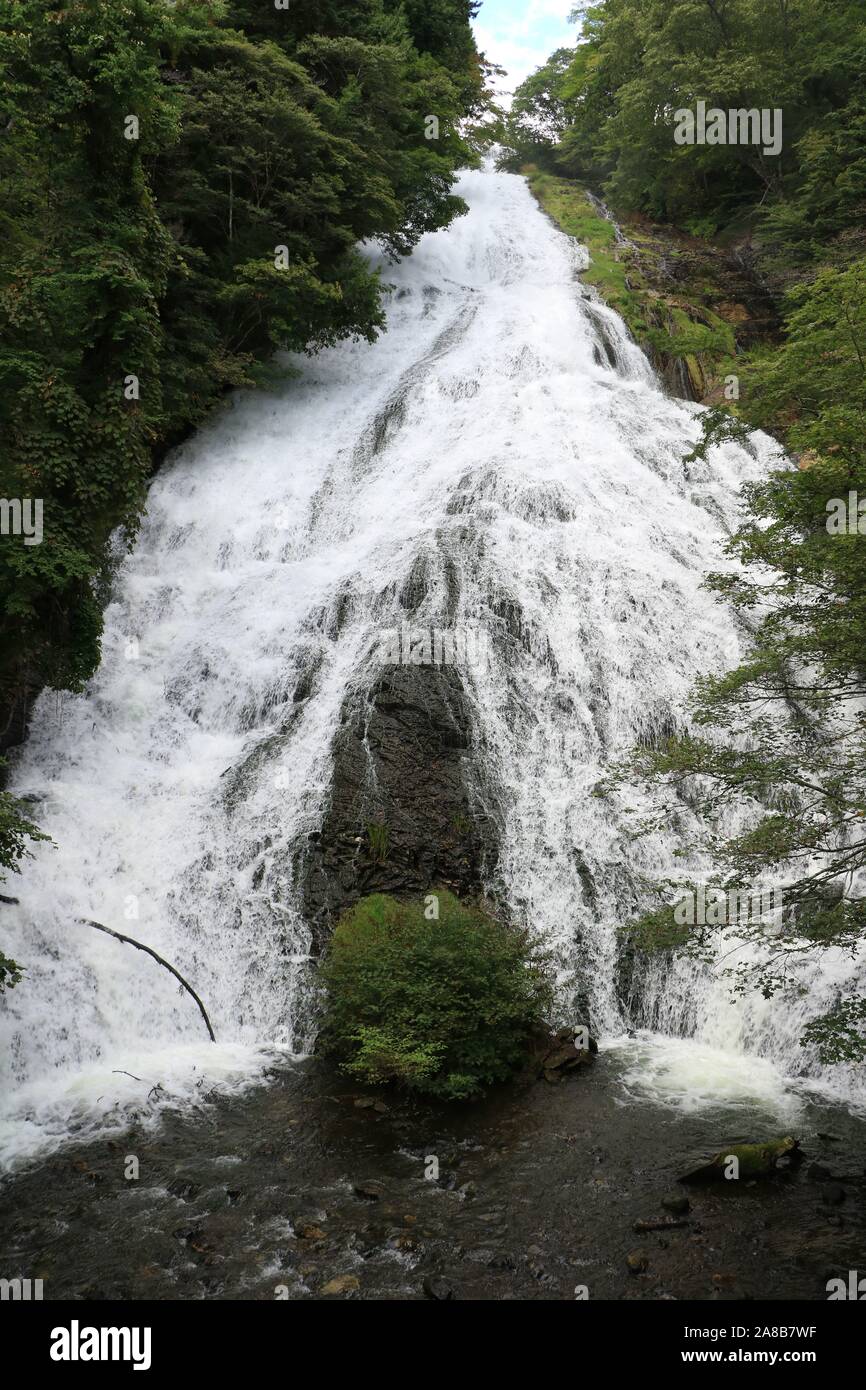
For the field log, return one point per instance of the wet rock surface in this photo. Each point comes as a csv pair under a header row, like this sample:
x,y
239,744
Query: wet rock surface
x,y
404,813
531,1195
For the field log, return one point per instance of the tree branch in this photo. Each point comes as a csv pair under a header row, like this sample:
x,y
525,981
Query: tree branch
x,y
88,922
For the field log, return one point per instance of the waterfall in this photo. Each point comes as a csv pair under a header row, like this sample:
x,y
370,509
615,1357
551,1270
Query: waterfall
x,y
507,435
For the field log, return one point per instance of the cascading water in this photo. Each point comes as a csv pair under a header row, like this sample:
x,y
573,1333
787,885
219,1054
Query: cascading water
x,y
505,434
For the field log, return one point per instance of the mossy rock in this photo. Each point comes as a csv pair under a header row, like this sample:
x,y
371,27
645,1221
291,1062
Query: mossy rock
x,y
754,1160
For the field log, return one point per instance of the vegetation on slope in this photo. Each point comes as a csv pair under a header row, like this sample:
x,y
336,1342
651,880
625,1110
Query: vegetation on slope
x,y
680,306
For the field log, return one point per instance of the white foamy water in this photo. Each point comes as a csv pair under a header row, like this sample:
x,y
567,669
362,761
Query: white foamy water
x,y
506,440
687,1076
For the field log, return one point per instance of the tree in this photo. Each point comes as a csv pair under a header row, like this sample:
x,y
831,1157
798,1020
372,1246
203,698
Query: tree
x,y
784,734
443,1004
538,116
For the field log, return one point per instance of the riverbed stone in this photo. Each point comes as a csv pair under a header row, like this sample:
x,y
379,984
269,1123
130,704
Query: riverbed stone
x,y
675,1202
439,1289
344,1283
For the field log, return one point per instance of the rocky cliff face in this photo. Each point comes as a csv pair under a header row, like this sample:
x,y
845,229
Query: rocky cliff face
x,y
407,809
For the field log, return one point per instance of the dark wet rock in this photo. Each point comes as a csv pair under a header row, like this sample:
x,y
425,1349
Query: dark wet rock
x,y
481,1257
676,1202
659,1223
439,1289
371,1103
818,1172
17,697
833,1195
184,1191
369,1191
565,1037
402,763
407,1242
344,1283
197,1241
307,1231
446,1179
563,1054
372,1239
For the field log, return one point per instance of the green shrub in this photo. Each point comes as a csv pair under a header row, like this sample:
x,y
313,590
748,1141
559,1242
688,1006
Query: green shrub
x,y
379,840
10,973
16,829
443,1006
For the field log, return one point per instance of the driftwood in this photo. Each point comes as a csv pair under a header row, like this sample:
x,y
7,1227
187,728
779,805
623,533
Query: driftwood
x,y
148,950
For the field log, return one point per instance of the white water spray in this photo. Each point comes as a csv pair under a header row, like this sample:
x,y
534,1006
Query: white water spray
x,y
506,436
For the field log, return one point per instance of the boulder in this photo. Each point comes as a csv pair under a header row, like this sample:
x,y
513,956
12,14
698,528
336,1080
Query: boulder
x,y
676,1202
754,1160
563,1054
439,1289
369,1191
344,1283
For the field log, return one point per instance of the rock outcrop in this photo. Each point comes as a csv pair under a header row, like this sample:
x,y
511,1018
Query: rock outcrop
x,y
405,810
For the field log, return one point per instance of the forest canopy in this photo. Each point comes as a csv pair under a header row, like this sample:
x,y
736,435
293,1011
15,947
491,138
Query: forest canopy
x,y
184,187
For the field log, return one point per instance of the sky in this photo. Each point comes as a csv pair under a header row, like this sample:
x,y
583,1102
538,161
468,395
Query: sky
x,y
520,35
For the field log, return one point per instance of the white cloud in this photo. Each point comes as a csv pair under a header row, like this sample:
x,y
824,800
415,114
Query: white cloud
x,y
520,35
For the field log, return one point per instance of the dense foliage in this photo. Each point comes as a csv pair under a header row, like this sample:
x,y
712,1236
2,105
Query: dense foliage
x,y
16,829
182,189
607,114
442,1005
785,733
